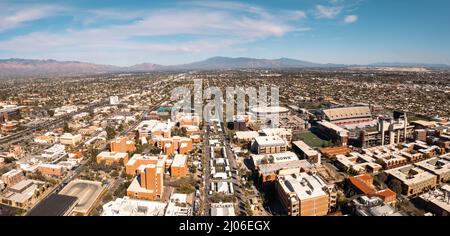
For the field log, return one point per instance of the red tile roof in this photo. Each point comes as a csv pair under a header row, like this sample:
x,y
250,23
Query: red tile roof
x,y
361,182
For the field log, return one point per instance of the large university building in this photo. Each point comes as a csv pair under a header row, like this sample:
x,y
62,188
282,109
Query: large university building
x,y
414,180
347,115
303,194
388,131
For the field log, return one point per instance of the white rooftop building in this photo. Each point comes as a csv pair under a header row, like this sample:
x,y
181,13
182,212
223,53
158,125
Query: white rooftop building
x,y
285,134
114,100
438,200
305,186
246,135
178,205
269,144
55,152
133,207
222,209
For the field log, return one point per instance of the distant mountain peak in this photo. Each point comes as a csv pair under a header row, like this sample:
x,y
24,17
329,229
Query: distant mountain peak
x,y
33,67
248,63
145,67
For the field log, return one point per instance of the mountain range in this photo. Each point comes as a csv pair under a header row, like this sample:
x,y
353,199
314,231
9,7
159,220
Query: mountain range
x,y
30,67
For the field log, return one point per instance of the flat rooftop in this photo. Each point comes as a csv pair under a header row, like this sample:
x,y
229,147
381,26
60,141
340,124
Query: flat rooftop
x,y
179,160
274,167
275,131
303,185
338,129
435,165
87,192
438,198
284,157
21,192
54,205
12,173
268,141
418,175
137,157
424,123
274,157
305,148
246,134
222,209
133,207
269,110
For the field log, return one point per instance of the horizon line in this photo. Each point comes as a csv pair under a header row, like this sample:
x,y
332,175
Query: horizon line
x,y
240,57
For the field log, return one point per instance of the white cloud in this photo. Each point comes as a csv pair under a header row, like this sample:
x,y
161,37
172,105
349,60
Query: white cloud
x,y
93,16
211,30
297,15
350,19
231,6
13,17
327,12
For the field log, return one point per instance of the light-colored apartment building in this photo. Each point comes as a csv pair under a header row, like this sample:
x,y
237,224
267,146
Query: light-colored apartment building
x,y
357,163
334,132
283,133
306,152
303,194
246,136
269,144
269,166
70,139
13,177
110,158
414,180
439,166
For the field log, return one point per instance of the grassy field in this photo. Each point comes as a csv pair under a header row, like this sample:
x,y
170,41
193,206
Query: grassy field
x,y
415,118
310,139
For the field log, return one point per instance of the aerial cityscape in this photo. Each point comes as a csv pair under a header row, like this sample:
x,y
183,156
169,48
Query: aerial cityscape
x,y
175,109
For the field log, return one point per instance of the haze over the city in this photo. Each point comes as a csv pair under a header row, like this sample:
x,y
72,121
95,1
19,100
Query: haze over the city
x,y
125,33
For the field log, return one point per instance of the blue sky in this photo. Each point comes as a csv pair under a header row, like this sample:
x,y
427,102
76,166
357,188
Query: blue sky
x,y
174,32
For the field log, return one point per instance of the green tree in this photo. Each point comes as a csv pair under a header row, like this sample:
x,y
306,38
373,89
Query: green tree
x,y
248,208
108,197
114,173
120,128
396,186
92,154
155,150
183,132
341,200
193,169
139,148
121,191
110,132
66,128
379,161
382,177
51,113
